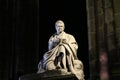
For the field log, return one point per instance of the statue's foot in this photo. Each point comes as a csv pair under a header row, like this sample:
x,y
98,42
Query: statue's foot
x,y
58,67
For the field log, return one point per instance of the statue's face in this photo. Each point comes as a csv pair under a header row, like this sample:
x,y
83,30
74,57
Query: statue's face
x,y
59,27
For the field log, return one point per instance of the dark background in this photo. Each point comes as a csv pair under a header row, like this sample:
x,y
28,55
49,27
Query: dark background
x,y
26,26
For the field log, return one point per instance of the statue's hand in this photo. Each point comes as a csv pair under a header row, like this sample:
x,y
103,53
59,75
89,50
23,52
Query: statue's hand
x,y
64,41
56,40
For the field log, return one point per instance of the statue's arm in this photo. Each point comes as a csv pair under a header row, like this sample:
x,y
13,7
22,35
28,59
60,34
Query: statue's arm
x,y
50,45
73,42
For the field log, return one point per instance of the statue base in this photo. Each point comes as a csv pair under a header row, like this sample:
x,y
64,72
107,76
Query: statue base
x,y
50,75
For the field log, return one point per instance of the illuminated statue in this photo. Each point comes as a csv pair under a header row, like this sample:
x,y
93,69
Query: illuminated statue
x,y
62,53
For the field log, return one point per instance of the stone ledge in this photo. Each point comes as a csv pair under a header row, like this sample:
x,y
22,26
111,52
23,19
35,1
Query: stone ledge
x,y
49,75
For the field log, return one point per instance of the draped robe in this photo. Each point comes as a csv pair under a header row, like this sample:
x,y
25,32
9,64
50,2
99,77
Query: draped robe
x,y
62,56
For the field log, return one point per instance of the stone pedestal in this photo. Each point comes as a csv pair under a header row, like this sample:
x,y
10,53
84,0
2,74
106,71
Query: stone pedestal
x,y
49,75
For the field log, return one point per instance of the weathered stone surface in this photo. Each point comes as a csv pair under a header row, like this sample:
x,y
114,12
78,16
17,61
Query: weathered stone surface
x,y
117,20
91,26
116,4
100,20
90,3
92,41
91,14
108,3
109,15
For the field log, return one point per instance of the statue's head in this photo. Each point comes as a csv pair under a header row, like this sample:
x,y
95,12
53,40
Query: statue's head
x,y
60,26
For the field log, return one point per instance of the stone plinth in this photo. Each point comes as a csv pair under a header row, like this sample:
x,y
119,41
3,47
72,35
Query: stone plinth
x,y
49,75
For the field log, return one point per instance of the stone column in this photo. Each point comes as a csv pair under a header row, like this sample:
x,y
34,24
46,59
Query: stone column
x,y
104,38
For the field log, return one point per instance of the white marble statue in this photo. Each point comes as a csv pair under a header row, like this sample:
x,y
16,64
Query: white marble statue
x,y
62,53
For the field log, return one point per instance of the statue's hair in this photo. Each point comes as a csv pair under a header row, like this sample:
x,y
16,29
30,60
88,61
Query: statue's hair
x,y
60,21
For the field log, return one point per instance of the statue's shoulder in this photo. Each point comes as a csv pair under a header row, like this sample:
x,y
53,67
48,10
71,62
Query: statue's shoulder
x,y
52,36
69,35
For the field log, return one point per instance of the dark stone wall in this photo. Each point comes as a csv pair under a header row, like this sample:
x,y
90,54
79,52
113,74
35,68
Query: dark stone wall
x,y
103,31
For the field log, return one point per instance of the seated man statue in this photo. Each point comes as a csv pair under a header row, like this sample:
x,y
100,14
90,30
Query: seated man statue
x,y
62,53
